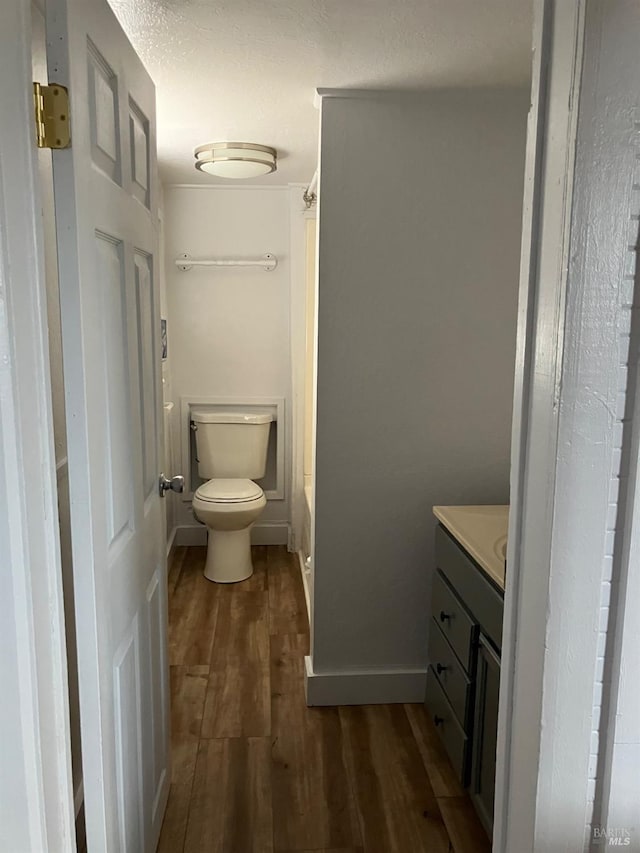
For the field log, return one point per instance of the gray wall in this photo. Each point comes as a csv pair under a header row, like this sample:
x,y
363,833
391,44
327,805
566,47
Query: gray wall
x,y
419,250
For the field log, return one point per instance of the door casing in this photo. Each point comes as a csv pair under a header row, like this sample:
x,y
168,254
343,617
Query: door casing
x,y
36,796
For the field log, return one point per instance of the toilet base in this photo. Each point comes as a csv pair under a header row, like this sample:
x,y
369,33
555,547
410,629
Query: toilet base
x,y
228,555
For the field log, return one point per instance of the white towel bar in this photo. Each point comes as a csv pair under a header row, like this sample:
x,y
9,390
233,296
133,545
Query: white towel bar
x,y
267,262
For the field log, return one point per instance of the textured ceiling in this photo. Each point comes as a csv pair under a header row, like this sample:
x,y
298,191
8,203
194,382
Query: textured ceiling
x,y
246,70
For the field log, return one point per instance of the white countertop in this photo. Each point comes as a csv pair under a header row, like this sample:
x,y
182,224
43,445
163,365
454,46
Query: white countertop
x,y
482,532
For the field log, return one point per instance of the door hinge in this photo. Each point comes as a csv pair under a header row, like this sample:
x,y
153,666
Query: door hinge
x,y
51,105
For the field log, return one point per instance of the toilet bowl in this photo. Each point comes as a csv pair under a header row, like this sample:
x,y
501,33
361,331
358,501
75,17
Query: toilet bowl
x,y
229,508
231,452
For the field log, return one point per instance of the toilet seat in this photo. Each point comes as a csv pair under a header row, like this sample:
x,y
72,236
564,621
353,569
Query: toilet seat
x,y
229,491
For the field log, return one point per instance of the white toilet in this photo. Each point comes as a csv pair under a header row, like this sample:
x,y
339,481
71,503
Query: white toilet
x,y
231,453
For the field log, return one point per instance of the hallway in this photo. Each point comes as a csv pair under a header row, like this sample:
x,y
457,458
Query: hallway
x,y
255,770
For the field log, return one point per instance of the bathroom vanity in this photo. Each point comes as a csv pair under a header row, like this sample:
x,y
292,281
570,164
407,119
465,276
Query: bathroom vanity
x,y
465,641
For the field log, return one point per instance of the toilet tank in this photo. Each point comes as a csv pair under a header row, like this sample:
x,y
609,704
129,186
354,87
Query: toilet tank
x,y
231,444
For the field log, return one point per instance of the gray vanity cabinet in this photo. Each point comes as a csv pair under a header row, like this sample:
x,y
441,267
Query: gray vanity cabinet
x,y
463,679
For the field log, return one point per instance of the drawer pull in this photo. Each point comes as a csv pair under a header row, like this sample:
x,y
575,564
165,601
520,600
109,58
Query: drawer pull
x,y
438,721
445,617
440,668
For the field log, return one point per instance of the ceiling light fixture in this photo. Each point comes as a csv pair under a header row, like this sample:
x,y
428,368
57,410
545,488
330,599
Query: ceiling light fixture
x,y
235,159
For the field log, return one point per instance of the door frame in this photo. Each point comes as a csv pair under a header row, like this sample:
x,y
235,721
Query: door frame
x,y
558,36
575,438
38,799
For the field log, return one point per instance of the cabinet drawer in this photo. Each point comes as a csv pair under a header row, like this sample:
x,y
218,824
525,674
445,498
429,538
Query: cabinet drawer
x,y
449,729
451,675
455,621
471,584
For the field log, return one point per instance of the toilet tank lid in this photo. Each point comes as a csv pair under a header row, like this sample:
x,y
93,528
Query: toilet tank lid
x,y
207,416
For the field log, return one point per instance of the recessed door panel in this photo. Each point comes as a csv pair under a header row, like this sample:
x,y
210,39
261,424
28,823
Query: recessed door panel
x,y
103,114
147,355
118,456
139,141
128,743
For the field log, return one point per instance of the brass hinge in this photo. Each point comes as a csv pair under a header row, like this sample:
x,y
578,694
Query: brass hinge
x,y
52,116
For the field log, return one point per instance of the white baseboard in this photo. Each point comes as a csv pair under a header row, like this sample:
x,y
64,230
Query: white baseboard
x,y
269,533
190,534
171,546
370,687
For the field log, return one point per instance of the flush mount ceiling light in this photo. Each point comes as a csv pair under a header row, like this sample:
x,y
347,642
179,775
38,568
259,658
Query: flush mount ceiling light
x,y
235,159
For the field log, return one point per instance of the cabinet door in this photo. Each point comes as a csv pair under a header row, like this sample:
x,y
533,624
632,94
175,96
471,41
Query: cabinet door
x,y
483,767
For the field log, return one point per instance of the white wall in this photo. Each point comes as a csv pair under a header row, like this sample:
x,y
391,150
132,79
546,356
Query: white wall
x,y
228,329
419,217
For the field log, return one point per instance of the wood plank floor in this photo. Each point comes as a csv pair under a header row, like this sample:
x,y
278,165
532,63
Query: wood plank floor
x,y
255,770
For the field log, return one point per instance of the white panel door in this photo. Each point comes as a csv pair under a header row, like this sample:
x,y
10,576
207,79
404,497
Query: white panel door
x,y
106,219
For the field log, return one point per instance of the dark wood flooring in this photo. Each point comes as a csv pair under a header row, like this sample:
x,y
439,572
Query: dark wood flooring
x,y
255,770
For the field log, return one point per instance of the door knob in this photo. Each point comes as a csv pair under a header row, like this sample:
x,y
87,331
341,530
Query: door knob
x,y
174,484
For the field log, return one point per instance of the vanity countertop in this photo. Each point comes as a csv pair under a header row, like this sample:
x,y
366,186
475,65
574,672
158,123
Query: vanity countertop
x,y
482,532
